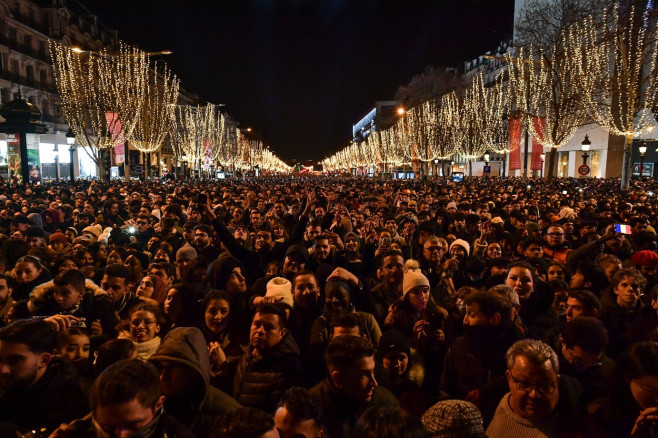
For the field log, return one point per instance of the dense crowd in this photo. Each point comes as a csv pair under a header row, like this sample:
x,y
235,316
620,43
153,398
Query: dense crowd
x,y
329,307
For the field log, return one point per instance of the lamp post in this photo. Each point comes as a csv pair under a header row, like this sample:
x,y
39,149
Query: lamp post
x,y
643,151
56,149
436,163
584,146
541,171
70,140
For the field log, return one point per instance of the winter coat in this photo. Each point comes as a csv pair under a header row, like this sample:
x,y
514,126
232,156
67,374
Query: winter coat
x,y
260,381
203,402
476,358
23,291
59,396
93,307
167,427
340,412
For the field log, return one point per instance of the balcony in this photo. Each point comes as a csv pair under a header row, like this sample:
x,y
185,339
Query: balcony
x,y
21,80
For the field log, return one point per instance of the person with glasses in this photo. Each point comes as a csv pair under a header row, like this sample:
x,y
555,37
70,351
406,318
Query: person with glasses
x,y
581,352
540,402
145,321
557,247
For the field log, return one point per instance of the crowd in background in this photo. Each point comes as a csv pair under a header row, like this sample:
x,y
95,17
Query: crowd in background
x,y
329,307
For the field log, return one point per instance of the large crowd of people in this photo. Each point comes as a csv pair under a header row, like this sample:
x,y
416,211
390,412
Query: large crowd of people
x,y
329,307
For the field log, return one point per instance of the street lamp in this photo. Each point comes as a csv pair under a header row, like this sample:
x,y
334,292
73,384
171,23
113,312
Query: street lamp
x,y
70,140
541,171
643,151
56,150
486,158
584,146
436,163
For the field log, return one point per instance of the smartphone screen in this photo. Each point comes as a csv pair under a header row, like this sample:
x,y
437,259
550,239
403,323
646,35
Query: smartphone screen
x,y
623,229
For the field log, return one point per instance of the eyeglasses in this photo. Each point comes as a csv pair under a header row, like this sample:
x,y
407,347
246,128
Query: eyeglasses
x,y
138,322
434,249
142,223
581,364
524,386
555,234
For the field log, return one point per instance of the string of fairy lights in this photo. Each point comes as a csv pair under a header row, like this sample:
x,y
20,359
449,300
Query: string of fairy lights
x,y
112,97
603,69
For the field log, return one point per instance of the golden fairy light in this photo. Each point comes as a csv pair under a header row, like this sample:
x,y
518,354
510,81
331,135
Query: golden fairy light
x,y
617,56
101,94
154,121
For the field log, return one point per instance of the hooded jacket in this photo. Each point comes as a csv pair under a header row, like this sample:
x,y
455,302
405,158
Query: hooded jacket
x,y
260,381
202,402
94,305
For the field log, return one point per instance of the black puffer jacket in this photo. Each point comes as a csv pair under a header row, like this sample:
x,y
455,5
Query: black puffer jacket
x,y
59,396
201,402
260,381
476,358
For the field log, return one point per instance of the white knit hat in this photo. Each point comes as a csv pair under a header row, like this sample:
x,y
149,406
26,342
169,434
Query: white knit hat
x,y
413,276
464,244
280,287
96,230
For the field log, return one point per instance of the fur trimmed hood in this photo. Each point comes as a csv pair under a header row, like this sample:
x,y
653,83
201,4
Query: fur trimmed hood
x,y
44,293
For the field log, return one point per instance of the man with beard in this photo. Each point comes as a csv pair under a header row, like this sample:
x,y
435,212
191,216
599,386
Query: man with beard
x,y
38,390
264,245
478,356
387,292
5,297
271,364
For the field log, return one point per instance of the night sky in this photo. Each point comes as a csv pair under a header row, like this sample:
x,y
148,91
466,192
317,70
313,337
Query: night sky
x,y
300,73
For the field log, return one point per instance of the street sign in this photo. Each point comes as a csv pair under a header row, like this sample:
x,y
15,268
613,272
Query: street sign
x,y
486,169
583,170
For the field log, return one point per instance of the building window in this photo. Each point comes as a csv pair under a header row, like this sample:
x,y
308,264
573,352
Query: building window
x,y
563,164
11,34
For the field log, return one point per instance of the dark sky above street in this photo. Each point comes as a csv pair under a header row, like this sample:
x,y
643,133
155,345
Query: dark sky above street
x,y
301,72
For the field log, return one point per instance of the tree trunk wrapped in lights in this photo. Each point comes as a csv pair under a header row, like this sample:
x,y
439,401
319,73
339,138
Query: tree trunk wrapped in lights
x,y
547,84
154,121
618,56
102,94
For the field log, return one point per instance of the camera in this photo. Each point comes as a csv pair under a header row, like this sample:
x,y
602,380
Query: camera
x,y
131,230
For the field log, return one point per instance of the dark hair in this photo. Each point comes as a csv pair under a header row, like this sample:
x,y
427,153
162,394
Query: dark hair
x,y
216,294
490,304
64,337
169,268
273,309
628,272
124,381
378,422
146,307
242,423
349,320
594,274
72,277
389,253
532,241
204,228
641,359
118,271
31,259
37,334
586,298
302,404
343,352
113,351
587,333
